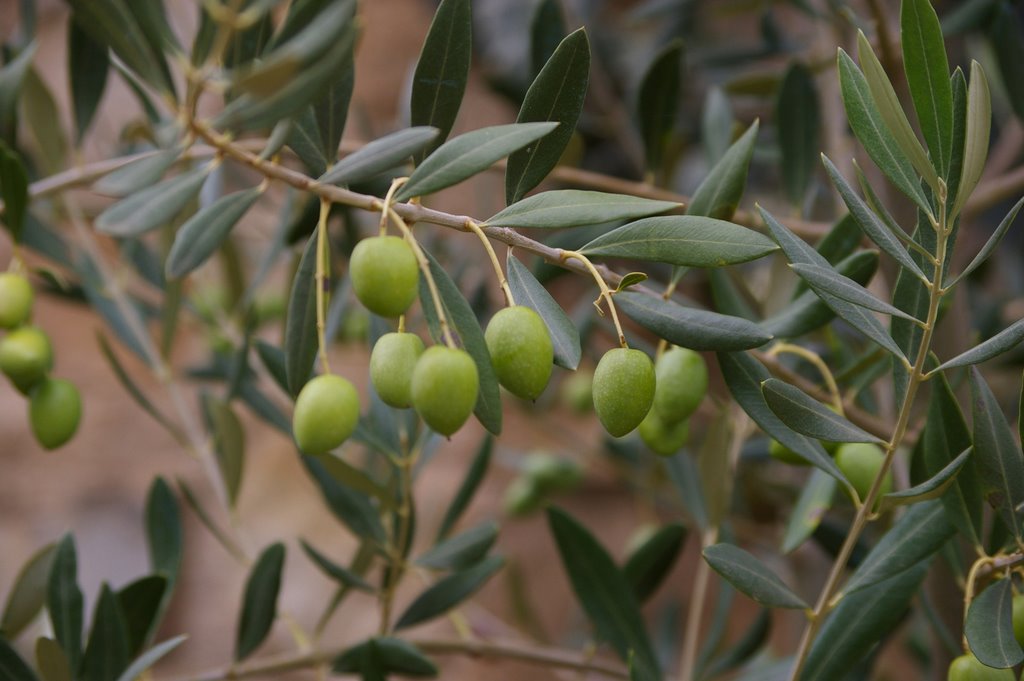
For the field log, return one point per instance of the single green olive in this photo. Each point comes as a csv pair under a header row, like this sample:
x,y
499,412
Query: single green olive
x,y
968,668
782,453
662,438
392,362
682,384
552,473
624,386
26,356
1018,618
15,300
522,497
577,391
54,410
521,351
326,414
860,463
445,384
385,275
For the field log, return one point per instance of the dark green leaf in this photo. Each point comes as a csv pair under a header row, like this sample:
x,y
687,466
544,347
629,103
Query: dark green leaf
x,y
557,95
998,456
259,604
752,640
576,207
12,75
141,604
272,358
990,245
547,29
1007,38
688,327
355,479
720,192
108,653
751,576
529,292
300,336
932,488
228,443
14,191
470,484
164,536
682,470
1002,342
137,174
50,661
989,627
349,506
827,281
150,657
129,384
717,124
814,501
657,102
152,207
649,565
203,233
807,416
449,592
343,576
959,84
88,64
12,667
799,121
378,657
380,155
28,593
64,600
976,136
462,550
43,120
924,60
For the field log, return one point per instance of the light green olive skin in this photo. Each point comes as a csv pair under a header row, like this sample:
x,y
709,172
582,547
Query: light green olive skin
x,y
326,414
445,384
1018,619
968,668
392,362
522,497
577,391
860,463
15,300
782,453
26,356
552,473
682,384
624,386
385,275
521,351
661,438
54,411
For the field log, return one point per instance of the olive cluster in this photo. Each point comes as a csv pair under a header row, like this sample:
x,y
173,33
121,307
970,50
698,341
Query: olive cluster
x,y
26,358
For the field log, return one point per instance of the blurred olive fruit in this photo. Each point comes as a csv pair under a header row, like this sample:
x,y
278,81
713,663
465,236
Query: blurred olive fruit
x,y
662,438
326,414
781,452
392,362
15,300
269,307
552,473
444,388
522,497
384,275
1018,618
968,668
624,386
682,384
577,390
54,411
355,325
521,351
26,357
860,463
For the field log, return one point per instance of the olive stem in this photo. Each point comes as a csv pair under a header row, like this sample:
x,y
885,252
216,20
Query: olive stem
x,y
389,201
322,273
401,534
502,280
819,364
972,577
606,292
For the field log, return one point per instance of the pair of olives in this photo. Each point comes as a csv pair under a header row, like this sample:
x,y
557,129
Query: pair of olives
x,y
682,383
26,358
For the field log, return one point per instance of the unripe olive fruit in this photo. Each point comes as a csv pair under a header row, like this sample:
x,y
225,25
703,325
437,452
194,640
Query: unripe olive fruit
x,y
384,275
1018,618
521,351
624,383
662,438
782,453
326,414
682,384
26,357
860,463
968,668
15,300
577,390
445,383
522,497
392,362
552,473
54,411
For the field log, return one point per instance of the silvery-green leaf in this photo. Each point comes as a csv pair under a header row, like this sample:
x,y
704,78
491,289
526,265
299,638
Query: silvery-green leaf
x,y
1004,341
831,282
807,416
204,232
979,123
380,155
576,207
153,207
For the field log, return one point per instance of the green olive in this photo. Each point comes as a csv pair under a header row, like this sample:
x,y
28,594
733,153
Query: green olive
x,y
26,357
522,497
624,387
445,384
521,351
860,463
326,414
577,391
662,438
682,384
1018,618
385,275
15,300
551,473
392,362
54,411
782,453
968,668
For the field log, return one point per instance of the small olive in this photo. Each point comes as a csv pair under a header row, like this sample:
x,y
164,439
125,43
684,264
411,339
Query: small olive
x,y
662,438
445,384
682,384
54,410
968,668
552,473
15,300
385,275
624,386
860,463
392,362
521,351
326,414
26,357
522,497
1018,618
577,390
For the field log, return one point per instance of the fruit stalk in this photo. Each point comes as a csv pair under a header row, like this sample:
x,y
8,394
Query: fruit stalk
x,y
819,364
323,265
502,280
606,292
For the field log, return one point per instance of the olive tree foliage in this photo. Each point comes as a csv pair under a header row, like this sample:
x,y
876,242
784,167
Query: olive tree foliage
x,y
833,354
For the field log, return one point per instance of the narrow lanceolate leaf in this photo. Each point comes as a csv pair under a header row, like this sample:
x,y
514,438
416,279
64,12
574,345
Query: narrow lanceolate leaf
x,y
164,537
547,30
12,76
88,65
992,243
462,550
129,384
959,85
64,600
689,327
205,231
150,657
720,192
468,154
932,488
50,661
28,594
752,577
565,338
140,605
997,455
604,594
924,60
989,627
12,667
13,191
874,134
979,124
137,174
153,207
259,602
449,592
575,207
806,415
556,95
798,118
442,70
658,102
468,488
349,506
107,654
814,501
300,336
689,240
341,575
380,155
830,282
647,567
1004,341
228,443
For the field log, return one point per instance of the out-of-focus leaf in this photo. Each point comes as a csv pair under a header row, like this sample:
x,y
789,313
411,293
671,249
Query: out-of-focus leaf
x,y
814,501
682,470
380,155
1007,38
164,535
649,565
990,245
574,207
979,124
658,102
140,603
1002,342
547,29
381,656
474,476
259,604
565,338
12,667
997,454
751,576
133,176
449,592
228,443
12,76
152,207
14,191
131,386
44,120
924,60
343,576
689,327
752,640
989,627
349,506
717,123
300,336
28,593
150,657
462,550
203,233
720,192
799,121
64,600
716,473
108,653
50,661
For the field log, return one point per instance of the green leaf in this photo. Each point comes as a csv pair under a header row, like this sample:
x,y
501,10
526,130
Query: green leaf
x,y
380,155
990,245
717,124
129,384
997,454
1007,38
107,654
557,95
470,484
605,594
300,336
807,416
343,576
137,174
799,124
932,488
657,102
752,577
228,443
720,192
152,207
12,667
924,60
649,565
979,123
355,479
13,191
28,593
449,592
959,85
164,536
689,240
463,550
829,282
466,155
752,641
349,506
688,327
574,207
50,661
565,338
716,473
682,470
814,501
381,656
989,627
150,657
547,29
64,600
442,70
12,76
632,279
141,604
259,604
1002,342
203,233
43,119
